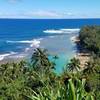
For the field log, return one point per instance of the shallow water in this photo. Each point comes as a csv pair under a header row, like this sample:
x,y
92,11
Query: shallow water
x,y
18,37
62,46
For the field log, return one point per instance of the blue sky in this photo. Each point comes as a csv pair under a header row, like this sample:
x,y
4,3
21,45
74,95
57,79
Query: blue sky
x,y
49,8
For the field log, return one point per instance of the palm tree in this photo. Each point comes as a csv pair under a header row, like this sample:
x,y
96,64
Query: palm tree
x,y
40,61
74,65
11,82
53,63
39,57
90,67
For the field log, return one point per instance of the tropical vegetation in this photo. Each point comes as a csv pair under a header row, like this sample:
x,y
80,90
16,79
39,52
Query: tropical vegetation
x,y
37,80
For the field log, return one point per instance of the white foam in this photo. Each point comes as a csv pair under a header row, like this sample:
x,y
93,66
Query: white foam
x,y
26,41
60,31
73,38
52,31
27,49
71,30
33,43
2,56
17,56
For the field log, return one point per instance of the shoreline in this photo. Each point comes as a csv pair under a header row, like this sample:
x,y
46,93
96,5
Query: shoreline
x,y
83,57
11,60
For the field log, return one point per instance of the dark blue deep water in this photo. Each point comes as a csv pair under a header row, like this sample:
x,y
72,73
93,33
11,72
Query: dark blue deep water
x,y
17,35
27,29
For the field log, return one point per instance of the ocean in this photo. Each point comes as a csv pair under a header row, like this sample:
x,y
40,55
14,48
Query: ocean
x,y
19,37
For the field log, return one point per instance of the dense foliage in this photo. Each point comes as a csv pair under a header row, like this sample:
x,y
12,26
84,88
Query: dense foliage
x,y
90,38
37,80
90,42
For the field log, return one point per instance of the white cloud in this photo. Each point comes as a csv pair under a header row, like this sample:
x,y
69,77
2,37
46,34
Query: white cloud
x,y
46,14
42,13
32,14
37,14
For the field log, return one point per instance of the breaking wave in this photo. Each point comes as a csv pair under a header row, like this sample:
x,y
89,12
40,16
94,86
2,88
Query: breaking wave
x,y
2,56
62,31
33,43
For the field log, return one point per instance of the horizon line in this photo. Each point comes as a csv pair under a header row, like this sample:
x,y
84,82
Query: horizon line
x,y
50,18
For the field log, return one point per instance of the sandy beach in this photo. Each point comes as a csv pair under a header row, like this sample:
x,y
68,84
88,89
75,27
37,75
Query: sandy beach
x,y
83,57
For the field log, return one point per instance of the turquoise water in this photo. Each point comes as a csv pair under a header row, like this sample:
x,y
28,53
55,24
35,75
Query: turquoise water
x,y
61,62
18,37
63,47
